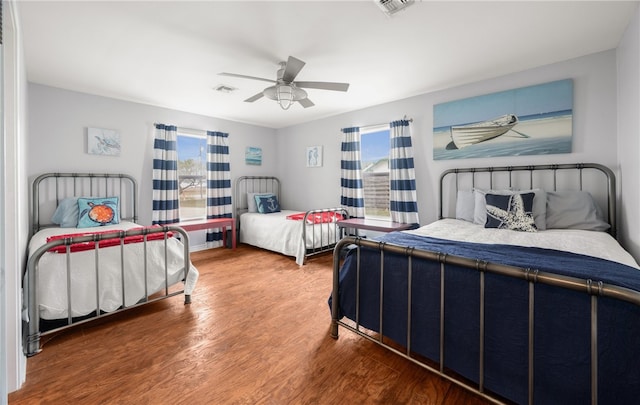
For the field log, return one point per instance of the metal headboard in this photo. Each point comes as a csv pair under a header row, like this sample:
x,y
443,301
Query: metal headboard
x,y
599,180
51,188
253,184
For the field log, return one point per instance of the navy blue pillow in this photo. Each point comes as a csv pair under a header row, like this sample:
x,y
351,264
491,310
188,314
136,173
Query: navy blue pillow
x,y
267,204
510,212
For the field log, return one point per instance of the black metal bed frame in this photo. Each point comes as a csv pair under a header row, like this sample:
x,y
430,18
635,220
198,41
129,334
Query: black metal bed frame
x,y
595,289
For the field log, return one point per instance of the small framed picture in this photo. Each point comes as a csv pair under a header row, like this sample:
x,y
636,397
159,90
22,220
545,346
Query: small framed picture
x,y
253,156
102,141
314,156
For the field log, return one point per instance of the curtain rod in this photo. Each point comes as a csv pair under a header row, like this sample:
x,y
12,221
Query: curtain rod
x,y
193,130
383,123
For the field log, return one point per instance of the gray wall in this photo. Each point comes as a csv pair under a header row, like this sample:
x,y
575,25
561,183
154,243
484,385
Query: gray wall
x,y
629,135
58,121
594,133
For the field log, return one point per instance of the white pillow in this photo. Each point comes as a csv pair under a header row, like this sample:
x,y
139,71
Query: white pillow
x,y
465,205
539,205
574,210
251,201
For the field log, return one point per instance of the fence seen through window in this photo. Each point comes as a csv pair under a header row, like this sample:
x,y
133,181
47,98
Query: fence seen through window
x,y
375,172
192,176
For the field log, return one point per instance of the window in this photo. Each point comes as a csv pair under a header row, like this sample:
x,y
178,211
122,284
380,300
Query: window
x,y
192,176
374,146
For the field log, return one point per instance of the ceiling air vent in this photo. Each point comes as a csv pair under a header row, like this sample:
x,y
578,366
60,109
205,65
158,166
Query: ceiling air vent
x,y
223,88
393,6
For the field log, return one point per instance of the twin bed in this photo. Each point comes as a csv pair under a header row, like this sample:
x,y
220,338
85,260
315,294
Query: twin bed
x,y
550,316
88,258
291,233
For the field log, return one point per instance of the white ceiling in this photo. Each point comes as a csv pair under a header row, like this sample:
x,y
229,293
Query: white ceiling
x,y
169,53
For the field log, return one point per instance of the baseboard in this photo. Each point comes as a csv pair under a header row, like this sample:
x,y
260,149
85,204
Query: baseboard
x,y
197,248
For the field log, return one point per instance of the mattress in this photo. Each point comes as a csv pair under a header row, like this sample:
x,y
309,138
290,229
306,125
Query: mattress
x,y
277,233
52,270
589,243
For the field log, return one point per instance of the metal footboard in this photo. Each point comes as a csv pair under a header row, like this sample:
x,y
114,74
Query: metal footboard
x,y
594,289
322,237
33,333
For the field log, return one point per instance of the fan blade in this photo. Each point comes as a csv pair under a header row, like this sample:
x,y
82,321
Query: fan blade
x,y
294,66
306,103
323,85
254,98
246,77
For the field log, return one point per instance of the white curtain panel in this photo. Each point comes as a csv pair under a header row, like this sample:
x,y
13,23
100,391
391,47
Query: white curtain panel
x,y
165,175
352,197
218,183
402,175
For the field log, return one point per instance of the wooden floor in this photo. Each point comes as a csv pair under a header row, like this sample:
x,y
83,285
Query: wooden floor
x,y
257,332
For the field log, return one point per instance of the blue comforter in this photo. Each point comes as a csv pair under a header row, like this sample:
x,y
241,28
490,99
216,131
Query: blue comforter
x,y
562,318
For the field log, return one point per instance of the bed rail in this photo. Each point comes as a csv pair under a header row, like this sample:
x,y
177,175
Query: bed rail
x,y
323,235
33,334
593,288
548,177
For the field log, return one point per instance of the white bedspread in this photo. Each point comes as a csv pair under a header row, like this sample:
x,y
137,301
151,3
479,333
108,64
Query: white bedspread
x,y
52,279
590,243
276,233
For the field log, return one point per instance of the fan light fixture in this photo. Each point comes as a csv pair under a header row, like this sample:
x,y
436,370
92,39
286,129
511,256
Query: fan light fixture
x,y
390,7
286,90
285,94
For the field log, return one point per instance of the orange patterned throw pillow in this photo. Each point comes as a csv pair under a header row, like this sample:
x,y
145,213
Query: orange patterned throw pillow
x,y
98,212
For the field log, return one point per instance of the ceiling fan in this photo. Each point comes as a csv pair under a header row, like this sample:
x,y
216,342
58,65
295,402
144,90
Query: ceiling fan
x,y
286,91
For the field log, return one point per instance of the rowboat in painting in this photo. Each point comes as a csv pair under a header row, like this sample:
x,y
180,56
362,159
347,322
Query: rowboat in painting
x,y
470,134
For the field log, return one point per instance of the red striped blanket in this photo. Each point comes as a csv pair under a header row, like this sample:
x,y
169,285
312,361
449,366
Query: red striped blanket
x,y
82,246
318,217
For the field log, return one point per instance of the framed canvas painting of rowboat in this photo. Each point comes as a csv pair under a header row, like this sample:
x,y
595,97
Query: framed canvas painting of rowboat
x,y
534,120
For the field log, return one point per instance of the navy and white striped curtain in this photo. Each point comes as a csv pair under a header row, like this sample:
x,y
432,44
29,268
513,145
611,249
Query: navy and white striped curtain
x,y
352,197
165,175
218,183
402,175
